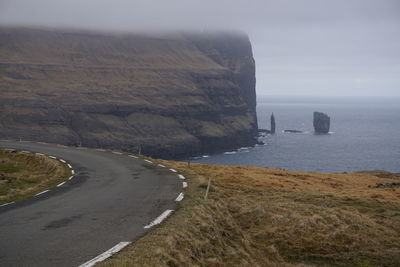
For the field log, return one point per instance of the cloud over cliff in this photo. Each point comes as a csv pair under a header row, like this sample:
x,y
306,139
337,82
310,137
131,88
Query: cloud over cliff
x,y
301,47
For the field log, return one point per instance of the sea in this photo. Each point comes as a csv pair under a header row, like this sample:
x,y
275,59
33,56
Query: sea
x,y
364,135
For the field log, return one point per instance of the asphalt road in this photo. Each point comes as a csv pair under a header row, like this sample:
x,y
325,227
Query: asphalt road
x,y
110,199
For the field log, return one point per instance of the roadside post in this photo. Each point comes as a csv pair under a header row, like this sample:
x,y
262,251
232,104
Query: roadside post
x,y
208,189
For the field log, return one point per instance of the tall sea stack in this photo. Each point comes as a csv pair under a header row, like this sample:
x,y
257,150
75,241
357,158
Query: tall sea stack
x,y
273,124
321,122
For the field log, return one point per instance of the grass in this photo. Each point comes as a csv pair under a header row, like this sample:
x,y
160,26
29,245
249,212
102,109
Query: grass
x,y
272,217
8,168
23,175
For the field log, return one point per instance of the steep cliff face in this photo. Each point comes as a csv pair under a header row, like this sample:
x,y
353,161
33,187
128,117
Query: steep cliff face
x,y
172,95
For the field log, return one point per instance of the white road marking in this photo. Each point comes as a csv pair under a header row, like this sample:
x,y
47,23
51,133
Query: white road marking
x,y
73,172
133,156
24,151
106,254
70,177
69,165
98,149
162,166
9,149
180,197
181,176
42,192
118,153
159,219
52,157
63,161
60,184
172,170
148,161
39,154
184,184
7,204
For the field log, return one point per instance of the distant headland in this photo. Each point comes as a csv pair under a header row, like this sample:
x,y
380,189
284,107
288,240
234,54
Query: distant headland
x,y
168,96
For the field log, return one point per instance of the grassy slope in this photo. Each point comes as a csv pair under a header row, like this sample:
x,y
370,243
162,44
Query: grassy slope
x,y
23,175
271,217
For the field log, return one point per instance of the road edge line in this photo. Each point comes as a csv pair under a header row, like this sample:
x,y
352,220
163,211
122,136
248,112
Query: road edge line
x,y
180,197
45,191
159,219
106,254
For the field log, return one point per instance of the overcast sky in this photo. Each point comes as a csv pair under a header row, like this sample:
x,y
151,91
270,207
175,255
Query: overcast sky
x,y
301,47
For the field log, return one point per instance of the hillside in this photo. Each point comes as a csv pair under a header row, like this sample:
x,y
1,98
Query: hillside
x,y
169,94
272,217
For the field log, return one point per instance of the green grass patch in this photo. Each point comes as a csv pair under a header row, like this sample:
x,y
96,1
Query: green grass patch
x,y
8,168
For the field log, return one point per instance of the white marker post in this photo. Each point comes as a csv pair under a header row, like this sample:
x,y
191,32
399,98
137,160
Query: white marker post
x,y
208,188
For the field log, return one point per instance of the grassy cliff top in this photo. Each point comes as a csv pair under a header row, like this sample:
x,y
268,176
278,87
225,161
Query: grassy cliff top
x,y
77,48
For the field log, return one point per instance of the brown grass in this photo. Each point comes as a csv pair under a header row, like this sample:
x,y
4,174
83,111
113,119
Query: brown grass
x,y
272,217
23,174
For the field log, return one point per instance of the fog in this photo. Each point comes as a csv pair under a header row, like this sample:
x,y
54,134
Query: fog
x,y
301,47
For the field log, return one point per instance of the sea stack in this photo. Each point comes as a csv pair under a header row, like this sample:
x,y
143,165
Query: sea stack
x,y
322,122
272,124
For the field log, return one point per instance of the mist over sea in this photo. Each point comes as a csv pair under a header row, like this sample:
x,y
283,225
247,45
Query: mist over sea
x,y
365,135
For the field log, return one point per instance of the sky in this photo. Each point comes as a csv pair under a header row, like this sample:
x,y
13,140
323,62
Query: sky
x,y
301,47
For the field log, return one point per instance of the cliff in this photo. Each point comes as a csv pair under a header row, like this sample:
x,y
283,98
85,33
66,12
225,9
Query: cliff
x,y
173,95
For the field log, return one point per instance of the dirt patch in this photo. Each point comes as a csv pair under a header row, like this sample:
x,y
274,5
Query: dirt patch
x,y
61,223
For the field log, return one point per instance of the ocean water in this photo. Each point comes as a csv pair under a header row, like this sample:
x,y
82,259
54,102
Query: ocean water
x,y
365,135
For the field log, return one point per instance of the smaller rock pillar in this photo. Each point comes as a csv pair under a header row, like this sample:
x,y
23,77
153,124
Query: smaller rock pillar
x,y
273,124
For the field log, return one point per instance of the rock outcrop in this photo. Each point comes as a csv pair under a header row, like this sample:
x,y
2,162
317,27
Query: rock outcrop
x,y
293,131
322,122
386,185
173,95
273,126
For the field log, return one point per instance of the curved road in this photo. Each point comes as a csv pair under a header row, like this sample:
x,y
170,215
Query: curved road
x,y
110,199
